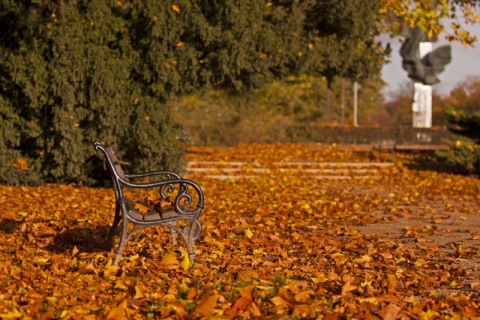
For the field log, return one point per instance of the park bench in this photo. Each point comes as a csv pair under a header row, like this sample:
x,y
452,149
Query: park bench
x,y
179,204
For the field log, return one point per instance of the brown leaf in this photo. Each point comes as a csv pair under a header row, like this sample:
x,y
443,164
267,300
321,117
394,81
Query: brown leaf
x,y
391,312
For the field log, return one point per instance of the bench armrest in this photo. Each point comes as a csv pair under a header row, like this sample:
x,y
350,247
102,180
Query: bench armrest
x,y
183,197
168,174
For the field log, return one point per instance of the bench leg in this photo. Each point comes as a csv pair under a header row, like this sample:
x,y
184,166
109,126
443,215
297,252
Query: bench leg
x,y
174,235
116,220
190,235
121,244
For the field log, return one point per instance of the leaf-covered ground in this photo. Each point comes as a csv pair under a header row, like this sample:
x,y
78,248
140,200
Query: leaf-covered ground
x,y
326,238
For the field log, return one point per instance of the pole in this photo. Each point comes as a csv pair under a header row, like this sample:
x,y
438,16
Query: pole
x,y
342,105
355,103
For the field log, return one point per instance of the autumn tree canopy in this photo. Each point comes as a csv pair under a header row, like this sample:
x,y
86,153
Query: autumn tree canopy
x,y
430,16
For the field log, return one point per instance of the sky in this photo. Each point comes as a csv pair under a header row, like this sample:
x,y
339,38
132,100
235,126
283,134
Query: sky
x,y
465,62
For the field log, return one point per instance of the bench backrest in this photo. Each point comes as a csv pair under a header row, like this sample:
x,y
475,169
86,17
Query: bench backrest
x,y
116,166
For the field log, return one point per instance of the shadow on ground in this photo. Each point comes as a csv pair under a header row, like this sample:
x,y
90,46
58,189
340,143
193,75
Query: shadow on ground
x,y
8,226
85,239
427,161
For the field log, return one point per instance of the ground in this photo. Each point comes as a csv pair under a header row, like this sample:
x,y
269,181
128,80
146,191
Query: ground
x,y
289,231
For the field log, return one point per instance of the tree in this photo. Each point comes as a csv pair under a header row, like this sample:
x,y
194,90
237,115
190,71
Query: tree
x,y
344,33
76,71
397,109
465,95
68,79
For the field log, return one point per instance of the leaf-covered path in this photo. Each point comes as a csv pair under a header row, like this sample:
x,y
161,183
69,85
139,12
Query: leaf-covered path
x,y
395,243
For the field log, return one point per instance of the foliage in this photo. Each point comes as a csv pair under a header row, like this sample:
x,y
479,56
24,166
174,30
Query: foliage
x,y
465,150
463,123
464,154
390,244
271,113
75,71
465,96
428,15
67,80
462,114
397,109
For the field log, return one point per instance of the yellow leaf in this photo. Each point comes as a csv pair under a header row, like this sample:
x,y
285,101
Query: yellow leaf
x,y
110,271
52,299
175,8
11,315
121,285
372,300
22,213
248,232
183,288
75,251
185,264
41,261
134,257
138,293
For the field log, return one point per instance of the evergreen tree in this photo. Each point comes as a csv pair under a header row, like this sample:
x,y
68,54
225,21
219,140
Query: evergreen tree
x,y
72,72
463,118
343,32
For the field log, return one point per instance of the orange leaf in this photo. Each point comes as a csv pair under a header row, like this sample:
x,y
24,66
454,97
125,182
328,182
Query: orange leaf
x,y
142,207
347,287
169,261
175,8
118,313
206,306
280,302
301,310
240,305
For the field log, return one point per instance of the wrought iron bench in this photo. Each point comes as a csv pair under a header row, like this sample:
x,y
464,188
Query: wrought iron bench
x,y
181,214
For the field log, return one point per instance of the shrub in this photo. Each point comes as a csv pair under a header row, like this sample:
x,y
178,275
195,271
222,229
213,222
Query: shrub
x,y
464,151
